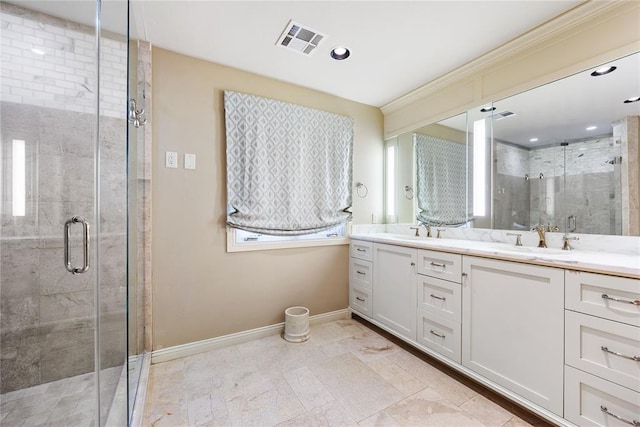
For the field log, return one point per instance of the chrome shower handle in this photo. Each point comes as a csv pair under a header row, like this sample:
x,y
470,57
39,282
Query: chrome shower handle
x,y
85,245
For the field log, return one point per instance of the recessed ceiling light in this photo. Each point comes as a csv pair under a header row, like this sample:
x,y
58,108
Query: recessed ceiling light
x,y
339,53
533,140
630,100
592,128
37,51
487,109
603,70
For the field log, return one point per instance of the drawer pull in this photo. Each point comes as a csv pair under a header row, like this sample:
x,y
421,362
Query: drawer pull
x,y
624,356
437,297
360,299
437,334
626,301
360,272
435,264
631,423
361,250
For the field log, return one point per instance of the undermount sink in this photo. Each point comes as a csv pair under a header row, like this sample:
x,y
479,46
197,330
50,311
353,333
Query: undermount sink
x,y
532,250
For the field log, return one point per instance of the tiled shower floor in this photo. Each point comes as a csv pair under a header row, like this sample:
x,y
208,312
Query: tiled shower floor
x,y
345,375
67,402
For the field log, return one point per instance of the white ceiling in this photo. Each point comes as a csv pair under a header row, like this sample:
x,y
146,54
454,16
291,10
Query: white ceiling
x,y
396,46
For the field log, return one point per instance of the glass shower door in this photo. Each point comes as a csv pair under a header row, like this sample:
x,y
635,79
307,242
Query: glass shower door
x,y
63,224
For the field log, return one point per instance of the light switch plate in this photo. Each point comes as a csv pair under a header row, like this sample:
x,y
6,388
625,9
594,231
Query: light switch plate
x,y
189,161
171,159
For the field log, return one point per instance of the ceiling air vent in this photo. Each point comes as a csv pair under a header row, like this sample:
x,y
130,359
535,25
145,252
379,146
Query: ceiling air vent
x,y
503,115
300,38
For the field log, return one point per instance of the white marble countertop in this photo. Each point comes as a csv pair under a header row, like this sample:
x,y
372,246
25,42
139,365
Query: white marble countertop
x,y
624,265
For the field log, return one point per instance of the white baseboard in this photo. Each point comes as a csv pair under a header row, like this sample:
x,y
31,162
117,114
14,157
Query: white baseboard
x,y
189,349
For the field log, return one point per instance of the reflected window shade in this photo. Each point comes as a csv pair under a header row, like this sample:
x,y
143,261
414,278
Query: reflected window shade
x,y
288,166
440,181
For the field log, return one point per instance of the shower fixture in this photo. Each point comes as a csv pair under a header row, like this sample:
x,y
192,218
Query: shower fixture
x,y
135,116
614,161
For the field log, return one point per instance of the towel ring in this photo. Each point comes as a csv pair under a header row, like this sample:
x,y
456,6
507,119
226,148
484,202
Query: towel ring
x,y
359,187
408,192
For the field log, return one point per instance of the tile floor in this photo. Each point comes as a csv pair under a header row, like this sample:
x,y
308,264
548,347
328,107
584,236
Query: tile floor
x,y
67,402
345,375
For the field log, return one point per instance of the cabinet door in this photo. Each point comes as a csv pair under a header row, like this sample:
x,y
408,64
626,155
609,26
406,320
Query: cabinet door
x,y
394,288
512,327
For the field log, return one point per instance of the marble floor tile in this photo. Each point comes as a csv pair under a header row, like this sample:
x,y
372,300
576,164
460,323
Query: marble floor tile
x,y
404,381
345,375
311,392
357,387
486,411
329,414
428,408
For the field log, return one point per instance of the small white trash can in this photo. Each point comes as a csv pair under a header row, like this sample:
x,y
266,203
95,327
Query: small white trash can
x,y
296,324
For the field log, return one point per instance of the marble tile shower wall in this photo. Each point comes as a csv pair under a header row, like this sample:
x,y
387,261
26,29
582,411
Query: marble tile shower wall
x,y
47,321
579,180
64,76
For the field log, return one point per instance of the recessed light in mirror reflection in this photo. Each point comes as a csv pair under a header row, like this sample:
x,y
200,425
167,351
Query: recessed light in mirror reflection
x,y
533,140
592,128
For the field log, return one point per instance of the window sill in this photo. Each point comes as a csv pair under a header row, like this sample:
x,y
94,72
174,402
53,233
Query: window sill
x,y
233,246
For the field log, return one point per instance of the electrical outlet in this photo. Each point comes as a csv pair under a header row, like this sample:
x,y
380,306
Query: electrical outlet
x,y
374,219
171,159
189,161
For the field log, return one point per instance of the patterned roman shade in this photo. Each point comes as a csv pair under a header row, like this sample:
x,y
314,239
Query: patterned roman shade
x,y
440,180
288,166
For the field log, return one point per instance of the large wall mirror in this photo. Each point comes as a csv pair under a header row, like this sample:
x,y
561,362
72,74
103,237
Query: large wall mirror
x,y
564,155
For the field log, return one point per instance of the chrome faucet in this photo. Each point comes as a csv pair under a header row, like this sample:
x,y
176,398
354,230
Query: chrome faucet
x,y
542,241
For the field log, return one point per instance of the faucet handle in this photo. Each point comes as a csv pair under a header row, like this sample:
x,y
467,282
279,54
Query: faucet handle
x,y
417,230
518,236
565,242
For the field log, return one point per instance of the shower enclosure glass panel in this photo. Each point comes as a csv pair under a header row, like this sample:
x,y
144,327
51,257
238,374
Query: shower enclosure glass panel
x,y
592,190
63,156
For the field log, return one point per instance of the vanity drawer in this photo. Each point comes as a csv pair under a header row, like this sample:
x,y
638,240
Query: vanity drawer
x,y
440,335
442,265
597,294
585,337
586,398
440,297
360,300
361,249
360,273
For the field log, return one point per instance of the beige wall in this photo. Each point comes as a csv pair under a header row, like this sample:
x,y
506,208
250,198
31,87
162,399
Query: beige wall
x,y
199,290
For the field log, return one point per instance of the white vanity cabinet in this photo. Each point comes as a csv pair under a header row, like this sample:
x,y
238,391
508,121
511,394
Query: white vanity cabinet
x,y
602,349
394,288
360,276
512,327
439,302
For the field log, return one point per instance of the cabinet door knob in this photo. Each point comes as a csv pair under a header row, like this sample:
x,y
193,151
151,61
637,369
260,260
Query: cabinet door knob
x,y
413,264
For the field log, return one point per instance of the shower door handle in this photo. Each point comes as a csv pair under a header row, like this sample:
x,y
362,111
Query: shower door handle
x,y
85,245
